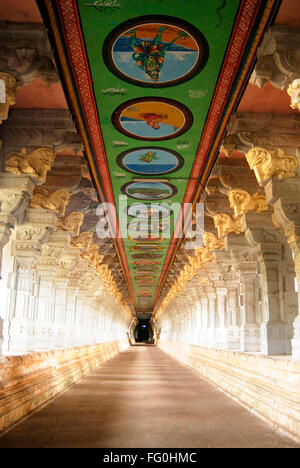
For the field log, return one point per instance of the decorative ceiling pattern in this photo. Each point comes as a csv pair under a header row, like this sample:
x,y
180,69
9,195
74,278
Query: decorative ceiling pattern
x,y
152,95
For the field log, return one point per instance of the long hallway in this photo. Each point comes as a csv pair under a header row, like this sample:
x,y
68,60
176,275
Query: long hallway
x,y
143,398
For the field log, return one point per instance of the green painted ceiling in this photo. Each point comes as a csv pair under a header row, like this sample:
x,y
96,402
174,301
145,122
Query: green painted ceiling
x,y
214,20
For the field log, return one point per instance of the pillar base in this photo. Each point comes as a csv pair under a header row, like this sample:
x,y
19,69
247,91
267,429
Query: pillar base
x,y
222,338
250,338
274,339
234,338
211,338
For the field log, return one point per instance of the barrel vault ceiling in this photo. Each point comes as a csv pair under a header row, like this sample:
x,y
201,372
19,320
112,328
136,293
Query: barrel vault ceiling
x,y
152,85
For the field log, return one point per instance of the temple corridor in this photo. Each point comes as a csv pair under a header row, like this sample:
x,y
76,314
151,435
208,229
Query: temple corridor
x,y
143,398
149,223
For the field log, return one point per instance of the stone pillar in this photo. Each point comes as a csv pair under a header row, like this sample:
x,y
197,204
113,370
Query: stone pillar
x,y
15,191
233,316
284,197
204,319
23,299
222,330
250,334
269,251
212,325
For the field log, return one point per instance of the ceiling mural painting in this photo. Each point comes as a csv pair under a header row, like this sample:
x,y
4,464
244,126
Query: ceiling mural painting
x,y
151,95
152,119
160,53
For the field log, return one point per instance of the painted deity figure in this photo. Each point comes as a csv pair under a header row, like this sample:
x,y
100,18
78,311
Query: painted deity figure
x,y
149,55
149,157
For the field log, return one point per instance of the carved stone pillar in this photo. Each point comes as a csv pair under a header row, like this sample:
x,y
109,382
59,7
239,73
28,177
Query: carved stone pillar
x,y
212,325
222,330
30,237
269,252
284,197
245,264
204,319
15,192
233,315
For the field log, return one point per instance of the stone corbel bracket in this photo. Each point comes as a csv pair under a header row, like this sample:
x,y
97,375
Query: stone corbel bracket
x,y
278,57
242,202
268,163
26,53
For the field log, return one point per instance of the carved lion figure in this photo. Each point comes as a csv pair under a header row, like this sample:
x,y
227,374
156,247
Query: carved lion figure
x,y
267,163
57,200
212,242
225,224
71,222
242,202
36,163
82,241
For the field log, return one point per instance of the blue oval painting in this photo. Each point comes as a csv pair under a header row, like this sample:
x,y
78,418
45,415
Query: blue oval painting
x,y
149,190
150,161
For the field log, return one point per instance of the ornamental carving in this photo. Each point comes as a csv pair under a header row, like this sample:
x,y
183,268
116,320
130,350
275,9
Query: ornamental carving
x,y
72,222
204,255
36,163
267,163
225,224
95,259
30,233
52,251
9,91
242,202
57,200
294,92
82,241
212,242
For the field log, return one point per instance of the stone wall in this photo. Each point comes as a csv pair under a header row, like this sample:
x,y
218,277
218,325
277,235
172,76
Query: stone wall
x,y
270,386
29,381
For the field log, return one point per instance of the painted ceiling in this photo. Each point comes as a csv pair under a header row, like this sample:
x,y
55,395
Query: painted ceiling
x,y
152,85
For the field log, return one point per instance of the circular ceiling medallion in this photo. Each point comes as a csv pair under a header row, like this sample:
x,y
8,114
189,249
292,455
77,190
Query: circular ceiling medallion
x,y
142,256
142,263
149,190
147,211
152,161
146,239
145,248
152,118
139,227
155,51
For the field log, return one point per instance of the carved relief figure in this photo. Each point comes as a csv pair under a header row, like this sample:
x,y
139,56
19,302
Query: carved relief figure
x,y
212,242
267,163
242,202
71,222
225,224
36,163
57,200
82,241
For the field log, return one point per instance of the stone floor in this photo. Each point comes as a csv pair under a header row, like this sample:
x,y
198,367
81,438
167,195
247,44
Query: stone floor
x,y
143,398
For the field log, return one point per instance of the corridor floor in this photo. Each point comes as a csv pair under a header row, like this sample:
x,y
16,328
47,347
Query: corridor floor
x,y
143,398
